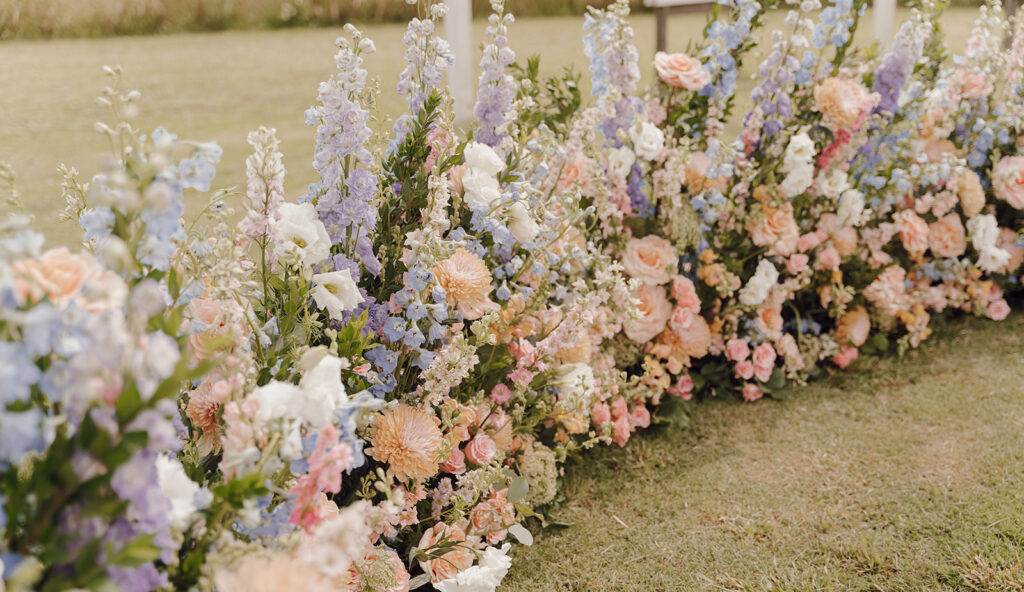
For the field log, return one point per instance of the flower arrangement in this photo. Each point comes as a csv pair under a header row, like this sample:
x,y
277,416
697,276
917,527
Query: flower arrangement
x,y
373,387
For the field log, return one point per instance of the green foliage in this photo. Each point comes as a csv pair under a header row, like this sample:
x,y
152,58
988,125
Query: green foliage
x,y
553,100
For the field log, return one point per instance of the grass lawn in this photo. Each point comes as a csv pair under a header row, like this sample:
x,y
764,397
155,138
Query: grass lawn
x,y
902,475
218,86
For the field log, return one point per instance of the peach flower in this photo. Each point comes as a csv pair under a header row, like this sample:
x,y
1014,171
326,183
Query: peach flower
x,y
481,449
764,361
456,463
1008,180
685,293
913,232
842,103
574,172
681,71
650,259
655,310
796,263
828,258
998,310
947,237
776,229
600,413
63,276
409,441
845,241
454,559
492,517
467,283
971,194
854,326
846,356
696,170
273,574
935,149
695,338
640,417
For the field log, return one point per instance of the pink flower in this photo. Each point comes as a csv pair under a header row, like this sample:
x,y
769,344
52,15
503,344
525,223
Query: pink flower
x,y
998,309
810,240
847,354
685,293
680,320
764,361
683,387
1008,180
619,408
737,350
500,394
751,392
640,417
913,232
797,263
650,259
456,463
328,460
947,237
655,310
681,71
481,449
600,413
745,370
828,259
620,433
521,376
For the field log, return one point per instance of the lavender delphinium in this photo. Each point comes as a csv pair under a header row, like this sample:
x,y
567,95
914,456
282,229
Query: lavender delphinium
x,y
427,58
497,88
608,42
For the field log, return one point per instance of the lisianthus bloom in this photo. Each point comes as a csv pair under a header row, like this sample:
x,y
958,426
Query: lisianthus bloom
x,y
655,309
681,71
336,292
1008,180
451,560
467,283
843,103
650,259
853,327
304,238
408,440
947,237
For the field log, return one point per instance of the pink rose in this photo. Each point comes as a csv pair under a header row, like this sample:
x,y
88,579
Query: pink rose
x,y
797,263
745,370
620,433
456,463
600,413
685,293
680,320
500,393
751,392
681,71
764,361
655,310
998,310
481,449
1008,180
682,388
828,259
650,259
737,350
810,240
640,417
619,408
846,356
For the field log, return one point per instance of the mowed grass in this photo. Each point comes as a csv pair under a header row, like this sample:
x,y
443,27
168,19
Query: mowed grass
x,y
902,475
219,86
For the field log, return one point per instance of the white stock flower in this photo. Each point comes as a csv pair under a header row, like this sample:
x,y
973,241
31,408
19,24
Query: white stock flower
x,y
336,292
485,577
521,223
834,184
179,489
851,207
483,158
756,290
648,140
304,239
620,160
481,188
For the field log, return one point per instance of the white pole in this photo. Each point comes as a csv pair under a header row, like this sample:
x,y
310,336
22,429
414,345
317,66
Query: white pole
x,y
885,18
458,29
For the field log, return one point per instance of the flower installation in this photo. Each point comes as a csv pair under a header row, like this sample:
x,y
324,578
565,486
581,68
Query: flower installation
x,y
373,386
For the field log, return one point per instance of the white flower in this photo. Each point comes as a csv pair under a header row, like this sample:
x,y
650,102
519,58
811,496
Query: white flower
x,y
851,207
323,393
521,223
278,400
799,152
179,489
304,239
797,181
336,292
485,577
834,184
576,383
647,140
993,259
483,158
756,290
482,188
620,160
984,231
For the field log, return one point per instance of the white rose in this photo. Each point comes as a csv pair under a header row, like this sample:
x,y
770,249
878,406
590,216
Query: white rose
x,y
485,577
984,231
756,290
797,181
799,151
833,185
304,239
179,489
278,400
336,292
483,158
620,160
481,188
851,207
647,140
521,223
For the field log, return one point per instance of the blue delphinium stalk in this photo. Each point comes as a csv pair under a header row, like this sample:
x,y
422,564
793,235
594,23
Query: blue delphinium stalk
x,y
427,58
348,184
497,88
898,63
725,37
608,42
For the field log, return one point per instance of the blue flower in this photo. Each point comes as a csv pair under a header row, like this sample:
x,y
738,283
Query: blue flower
x,y
197,173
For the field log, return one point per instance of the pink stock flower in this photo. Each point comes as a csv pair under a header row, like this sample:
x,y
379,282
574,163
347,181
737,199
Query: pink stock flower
x,y
500,394
810,240
796,263
828,258
685,293
619,408
327,462
640,417
600,413
621,431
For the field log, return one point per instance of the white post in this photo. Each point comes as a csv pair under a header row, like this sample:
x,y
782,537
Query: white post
x,y
885,18
458,29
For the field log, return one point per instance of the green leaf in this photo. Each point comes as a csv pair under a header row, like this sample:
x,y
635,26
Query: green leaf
x,y
138,552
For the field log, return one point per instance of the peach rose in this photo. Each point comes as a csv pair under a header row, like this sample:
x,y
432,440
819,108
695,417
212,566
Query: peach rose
x,y
854,326
842,103
455,559
650,259
777,230
737,350
681,71
655,310
1008,180
947,237
456,463
63,276
913,232
575,171
481,449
